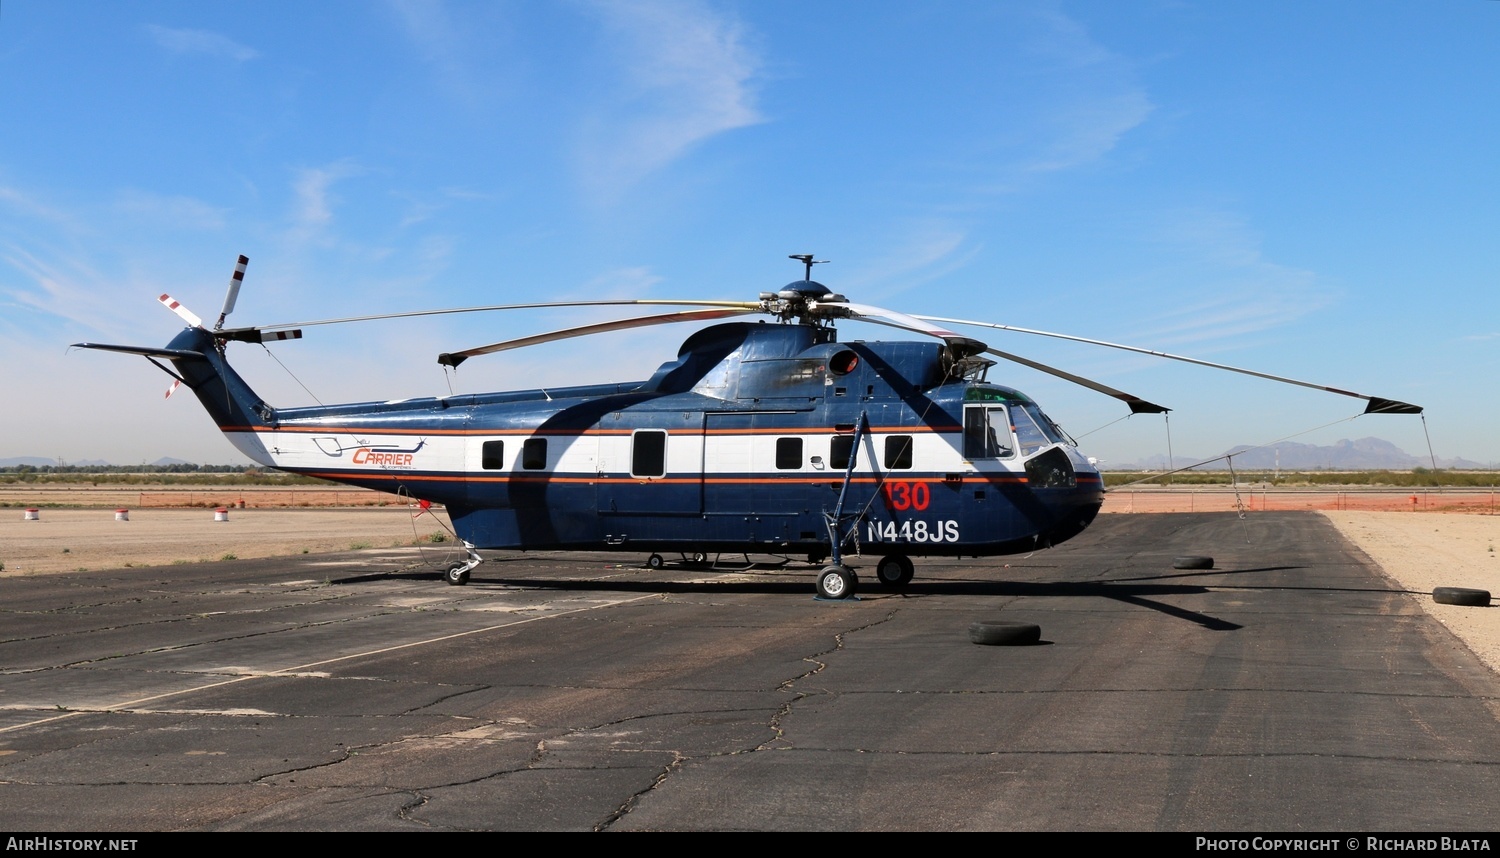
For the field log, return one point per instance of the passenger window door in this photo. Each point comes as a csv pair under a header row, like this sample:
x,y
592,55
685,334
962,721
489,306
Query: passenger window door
x,y
987,432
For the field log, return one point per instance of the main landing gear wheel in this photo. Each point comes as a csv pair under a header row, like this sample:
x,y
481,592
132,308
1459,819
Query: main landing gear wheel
x,y
656,561
700,558
894,571
837,582
457,574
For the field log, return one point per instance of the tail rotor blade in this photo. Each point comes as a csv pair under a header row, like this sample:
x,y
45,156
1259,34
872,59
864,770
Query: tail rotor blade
x,y
187,315
234,290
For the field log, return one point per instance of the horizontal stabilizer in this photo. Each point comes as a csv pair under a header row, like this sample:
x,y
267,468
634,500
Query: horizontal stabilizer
x,y
183,354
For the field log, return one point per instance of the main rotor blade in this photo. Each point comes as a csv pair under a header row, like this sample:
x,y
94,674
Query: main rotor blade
x,y
668,302
456,358
962,346
1137,404
1374,404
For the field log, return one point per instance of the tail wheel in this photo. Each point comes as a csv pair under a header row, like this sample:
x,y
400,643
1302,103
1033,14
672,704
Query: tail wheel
x,y
837,582
457,574
894,571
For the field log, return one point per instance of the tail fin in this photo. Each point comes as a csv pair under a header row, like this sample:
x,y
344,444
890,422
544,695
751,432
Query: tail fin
x,y
198,363
198,357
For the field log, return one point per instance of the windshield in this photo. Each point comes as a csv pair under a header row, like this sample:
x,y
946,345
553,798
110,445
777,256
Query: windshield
x,y
1029,433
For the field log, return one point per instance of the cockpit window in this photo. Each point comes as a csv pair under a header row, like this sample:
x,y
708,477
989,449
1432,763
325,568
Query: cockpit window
x,y
1054,432
987,433
1029,432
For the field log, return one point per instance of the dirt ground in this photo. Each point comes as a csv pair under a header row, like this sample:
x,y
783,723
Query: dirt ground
x,y
1421,552
62,540
1255,498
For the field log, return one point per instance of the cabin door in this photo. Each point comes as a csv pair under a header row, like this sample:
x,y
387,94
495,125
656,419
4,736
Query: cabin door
x,y
729,464
650,470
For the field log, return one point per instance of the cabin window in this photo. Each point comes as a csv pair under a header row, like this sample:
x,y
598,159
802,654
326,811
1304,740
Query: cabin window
x,y
492,455
534,454
840,451
987,433
788,454
898,452
648,453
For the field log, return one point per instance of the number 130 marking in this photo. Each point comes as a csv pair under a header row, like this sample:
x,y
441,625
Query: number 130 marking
x,y
902,496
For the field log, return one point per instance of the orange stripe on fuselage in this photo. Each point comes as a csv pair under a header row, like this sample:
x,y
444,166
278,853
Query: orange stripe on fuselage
x,y
378,430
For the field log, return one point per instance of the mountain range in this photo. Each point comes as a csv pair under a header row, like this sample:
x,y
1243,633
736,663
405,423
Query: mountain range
x,y
1365,454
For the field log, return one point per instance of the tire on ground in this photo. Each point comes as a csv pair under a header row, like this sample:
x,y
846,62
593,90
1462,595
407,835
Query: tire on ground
x,y
1004,633
1461,596
1193,562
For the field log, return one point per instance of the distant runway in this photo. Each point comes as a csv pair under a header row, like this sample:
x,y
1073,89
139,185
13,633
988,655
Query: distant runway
x,y
1292,688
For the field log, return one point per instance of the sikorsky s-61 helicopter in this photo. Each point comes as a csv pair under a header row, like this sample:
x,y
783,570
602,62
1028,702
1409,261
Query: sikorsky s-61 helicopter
x,y
765,436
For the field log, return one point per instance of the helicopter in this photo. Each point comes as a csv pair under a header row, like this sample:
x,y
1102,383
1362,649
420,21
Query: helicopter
x,y
768,436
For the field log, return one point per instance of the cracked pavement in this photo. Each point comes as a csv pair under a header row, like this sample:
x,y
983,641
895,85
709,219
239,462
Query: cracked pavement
x,y
1293,687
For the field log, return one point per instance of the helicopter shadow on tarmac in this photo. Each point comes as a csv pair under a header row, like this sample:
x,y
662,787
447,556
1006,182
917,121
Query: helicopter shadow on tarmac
x,y
1134,591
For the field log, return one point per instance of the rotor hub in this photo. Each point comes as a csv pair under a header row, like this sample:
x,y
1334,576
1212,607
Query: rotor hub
x,y
804,290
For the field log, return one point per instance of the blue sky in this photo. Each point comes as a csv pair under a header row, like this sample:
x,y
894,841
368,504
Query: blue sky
x,y
1307,189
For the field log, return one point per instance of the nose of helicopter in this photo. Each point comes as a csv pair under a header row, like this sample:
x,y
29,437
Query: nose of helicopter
x,y
1073,510
1071,489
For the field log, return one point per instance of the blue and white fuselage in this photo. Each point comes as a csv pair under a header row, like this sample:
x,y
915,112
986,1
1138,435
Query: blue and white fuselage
x,y
750,441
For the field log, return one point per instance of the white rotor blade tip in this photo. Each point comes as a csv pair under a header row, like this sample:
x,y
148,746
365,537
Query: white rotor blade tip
x,y
183,312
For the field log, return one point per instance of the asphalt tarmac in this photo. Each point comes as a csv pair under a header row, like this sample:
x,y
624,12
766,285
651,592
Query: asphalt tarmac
x,y
1291,688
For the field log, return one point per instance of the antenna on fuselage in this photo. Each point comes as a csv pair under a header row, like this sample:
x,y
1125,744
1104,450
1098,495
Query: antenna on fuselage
x,y
807,261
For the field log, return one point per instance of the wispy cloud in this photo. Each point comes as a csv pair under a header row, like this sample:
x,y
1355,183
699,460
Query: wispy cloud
x,y
64,288
1089,128
1226,287
443,44
312,188
621,283
30,207
686,76
199,42
176,212
921,254
1098,100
